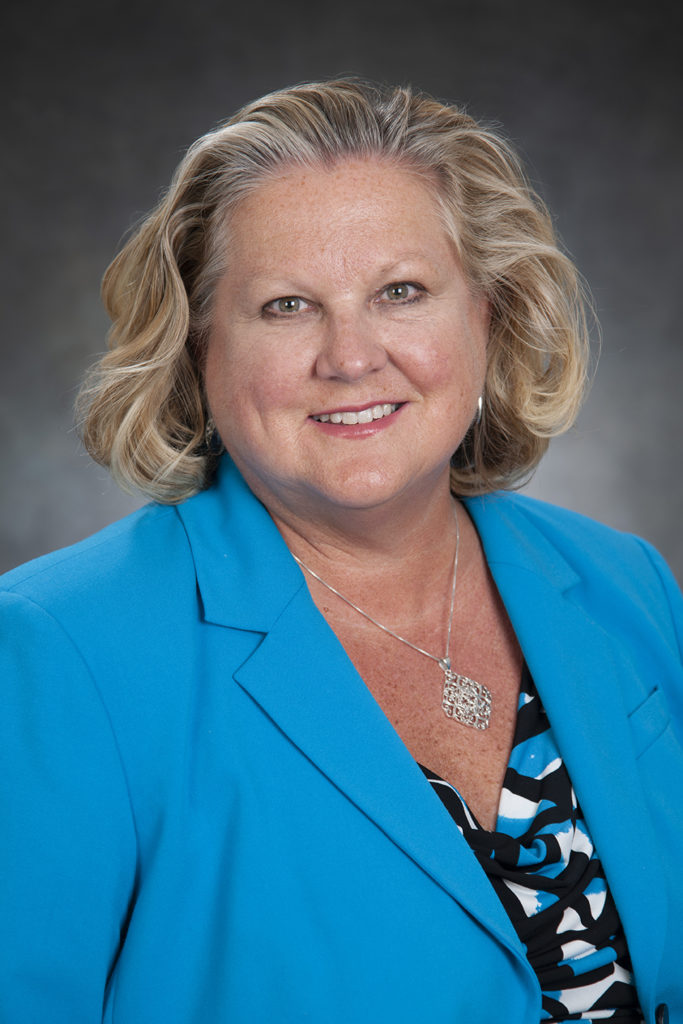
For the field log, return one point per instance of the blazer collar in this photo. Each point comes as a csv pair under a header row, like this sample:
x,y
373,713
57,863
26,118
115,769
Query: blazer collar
x,y
245,573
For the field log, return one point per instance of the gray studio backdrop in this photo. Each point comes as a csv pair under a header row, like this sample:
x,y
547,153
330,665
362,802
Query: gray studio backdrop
x,y
101,100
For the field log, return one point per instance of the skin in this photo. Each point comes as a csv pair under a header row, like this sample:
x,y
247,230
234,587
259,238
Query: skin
x,y
344,293
338,240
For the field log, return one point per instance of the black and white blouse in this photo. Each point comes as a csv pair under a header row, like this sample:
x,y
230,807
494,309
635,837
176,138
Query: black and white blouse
x,y
545,870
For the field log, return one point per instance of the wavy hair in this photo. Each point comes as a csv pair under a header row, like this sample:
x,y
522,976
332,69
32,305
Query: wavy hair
x,y
143,408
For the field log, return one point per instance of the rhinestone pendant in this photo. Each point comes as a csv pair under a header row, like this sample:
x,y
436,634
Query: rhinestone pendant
x,y
465,700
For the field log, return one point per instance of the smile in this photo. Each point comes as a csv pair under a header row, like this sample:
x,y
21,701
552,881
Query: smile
x,y
374,412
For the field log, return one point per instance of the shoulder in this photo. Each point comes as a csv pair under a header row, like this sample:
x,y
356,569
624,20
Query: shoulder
x,y
96,605
100,638
620,579
584,544
131,554
514,510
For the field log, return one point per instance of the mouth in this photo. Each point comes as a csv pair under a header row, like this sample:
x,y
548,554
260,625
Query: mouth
x,y
352,417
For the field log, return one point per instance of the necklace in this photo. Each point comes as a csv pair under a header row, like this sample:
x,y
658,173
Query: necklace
x,y
464,700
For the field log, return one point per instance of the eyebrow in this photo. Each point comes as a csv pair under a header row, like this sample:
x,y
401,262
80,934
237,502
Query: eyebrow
x,y
274,279
407,257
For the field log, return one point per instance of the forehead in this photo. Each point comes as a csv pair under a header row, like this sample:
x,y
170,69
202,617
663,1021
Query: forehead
x,y
353,204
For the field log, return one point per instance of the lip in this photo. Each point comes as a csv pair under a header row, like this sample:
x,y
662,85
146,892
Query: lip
x,y
356,430
356,408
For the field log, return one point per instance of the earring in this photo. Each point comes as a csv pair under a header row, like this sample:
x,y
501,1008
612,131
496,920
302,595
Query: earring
x,y
480,410
212,441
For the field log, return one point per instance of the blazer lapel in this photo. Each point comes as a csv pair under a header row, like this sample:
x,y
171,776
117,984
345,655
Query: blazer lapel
x,y
577,668
302,678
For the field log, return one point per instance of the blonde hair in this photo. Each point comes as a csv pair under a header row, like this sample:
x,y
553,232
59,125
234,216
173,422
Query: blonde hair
x,y
143,408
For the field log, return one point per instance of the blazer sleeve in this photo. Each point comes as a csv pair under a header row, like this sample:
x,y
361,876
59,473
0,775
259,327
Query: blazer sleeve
x,y
68,847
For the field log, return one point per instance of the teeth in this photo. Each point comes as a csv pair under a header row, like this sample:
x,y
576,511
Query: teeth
x,y
376,412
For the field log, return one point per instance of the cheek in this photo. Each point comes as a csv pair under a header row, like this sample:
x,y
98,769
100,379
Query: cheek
x,y
225,377
247,380
452,358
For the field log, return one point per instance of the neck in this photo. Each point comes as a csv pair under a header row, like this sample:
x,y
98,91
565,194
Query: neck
x,y
400,567
374,530
372,537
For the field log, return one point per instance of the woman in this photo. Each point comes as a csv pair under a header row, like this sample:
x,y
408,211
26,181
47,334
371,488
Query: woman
x,y
338,729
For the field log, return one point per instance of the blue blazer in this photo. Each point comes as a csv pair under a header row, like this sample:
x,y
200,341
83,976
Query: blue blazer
x,y
207,817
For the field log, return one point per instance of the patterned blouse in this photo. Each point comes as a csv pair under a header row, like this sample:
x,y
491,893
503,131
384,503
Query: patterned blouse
x,y
545,870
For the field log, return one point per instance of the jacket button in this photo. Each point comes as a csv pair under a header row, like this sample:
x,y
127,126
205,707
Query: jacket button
x,y
662,1014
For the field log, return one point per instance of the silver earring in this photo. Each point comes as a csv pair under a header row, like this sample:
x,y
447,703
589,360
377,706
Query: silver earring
x,y
480,410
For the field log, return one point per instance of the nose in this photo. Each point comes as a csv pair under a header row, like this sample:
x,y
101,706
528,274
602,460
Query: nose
x,y
350,350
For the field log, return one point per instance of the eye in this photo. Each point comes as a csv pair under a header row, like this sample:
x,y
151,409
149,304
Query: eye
x,y
403,292
285,306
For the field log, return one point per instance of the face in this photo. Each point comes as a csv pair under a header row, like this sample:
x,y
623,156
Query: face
x,y
347,351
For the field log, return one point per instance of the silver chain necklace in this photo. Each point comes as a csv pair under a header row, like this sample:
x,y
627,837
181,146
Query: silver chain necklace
x,y
465,700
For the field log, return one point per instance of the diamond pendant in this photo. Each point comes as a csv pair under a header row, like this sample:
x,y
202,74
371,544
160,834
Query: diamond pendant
x,y
465,700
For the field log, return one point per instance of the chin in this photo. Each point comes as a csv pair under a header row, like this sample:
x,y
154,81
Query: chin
x,y
365,491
